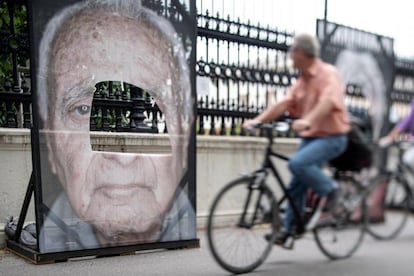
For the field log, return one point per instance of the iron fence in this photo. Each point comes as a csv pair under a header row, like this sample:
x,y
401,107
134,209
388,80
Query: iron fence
x,y
116,106
241,69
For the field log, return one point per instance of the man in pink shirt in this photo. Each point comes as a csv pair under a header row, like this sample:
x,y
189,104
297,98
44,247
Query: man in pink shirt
x,y
317,101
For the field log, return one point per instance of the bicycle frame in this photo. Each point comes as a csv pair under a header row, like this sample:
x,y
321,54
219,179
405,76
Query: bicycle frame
x,y
267,166
390,204
402,169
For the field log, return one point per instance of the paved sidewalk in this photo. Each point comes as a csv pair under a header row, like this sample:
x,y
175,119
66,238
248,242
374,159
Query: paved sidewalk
x,y
373,258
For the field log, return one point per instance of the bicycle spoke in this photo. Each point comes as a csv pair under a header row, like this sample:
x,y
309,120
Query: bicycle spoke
x,y
339,233
237,225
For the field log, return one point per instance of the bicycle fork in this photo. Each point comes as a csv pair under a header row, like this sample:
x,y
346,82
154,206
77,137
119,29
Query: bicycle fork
x,y
247,220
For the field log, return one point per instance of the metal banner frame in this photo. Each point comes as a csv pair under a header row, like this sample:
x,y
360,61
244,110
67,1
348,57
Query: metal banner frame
x,y
170,32
366,60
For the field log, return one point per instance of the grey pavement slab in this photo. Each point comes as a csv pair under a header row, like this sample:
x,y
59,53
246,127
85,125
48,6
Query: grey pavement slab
x,y
373,258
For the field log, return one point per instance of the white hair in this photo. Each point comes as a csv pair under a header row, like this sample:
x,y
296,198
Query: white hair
x,y
362,69
308,43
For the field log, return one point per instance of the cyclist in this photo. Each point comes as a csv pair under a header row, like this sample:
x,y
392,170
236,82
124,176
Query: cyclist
x,y
317,100
405,125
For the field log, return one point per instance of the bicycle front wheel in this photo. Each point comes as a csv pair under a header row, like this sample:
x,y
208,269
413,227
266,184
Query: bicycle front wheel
x,y
241,215
340,232
389,207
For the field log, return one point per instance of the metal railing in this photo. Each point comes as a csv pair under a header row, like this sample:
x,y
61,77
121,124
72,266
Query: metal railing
x,y
241,69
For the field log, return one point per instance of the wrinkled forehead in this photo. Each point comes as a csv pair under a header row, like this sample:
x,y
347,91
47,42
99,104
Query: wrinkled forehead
x,y
106,46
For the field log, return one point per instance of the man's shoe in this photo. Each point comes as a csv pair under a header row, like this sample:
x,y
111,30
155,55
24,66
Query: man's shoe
x,y
283,239
268,216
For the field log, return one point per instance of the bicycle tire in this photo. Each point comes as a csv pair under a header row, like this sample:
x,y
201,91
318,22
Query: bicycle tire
x,y
395,206
236,248
340,233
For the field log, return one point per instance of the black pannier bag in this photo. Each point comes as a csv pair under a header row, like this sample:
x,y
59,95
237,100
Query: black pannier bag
x,y
357,155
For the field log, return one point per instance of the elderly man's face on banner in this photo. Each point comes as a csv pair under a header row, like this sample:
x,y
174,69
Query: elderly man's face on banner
x,y
123,195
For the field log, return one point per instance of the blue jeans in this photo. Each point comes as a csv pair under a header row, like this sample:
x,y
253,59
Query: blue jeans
x,y
306,169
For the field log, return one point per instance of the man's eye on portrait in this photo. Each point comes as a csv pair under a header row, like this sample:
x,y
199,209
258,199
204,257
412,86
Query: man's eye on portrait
x,y
83,109
80,113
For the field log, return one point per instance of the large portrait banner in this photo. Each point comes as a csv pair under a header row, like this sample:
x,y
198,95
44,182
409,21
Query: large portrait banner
x,y
89,199
364,59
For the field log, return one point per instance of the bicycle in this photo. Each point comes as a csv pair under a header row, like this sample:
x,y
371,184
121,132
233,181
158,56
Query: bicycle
x,y
246,210
389,198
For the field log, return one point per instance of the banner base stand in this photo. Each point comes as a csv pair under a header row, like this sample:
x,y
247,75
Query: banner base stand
x,y
36,257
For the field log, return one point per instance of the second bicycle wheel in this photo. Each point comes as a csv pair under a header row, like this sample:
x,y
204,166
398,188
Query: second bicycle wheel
x,y
340,231
389,207
238,222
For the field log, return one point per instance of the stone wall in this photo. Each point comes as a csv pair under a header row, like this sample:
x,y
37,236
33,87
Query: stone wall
x,y
219,159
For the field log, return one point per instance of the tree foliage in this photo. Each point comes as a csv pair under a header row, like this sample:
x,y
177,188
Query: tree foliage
x,y
13,27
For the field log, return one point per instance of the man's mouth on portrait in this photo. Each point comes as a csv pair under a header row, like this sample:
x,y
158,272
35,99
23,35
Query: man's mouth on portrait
x,y
122,176
121,194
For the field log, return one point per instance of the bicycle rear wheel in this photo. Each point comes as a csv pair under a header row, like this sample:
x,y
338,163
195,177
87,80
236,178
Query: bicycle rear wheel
x,y
340,232
238,221
389,207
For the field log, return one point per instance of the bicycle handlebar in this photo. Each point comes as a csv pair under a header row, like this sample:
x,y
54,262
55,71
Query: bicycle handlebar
x,y
401,144
280,127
